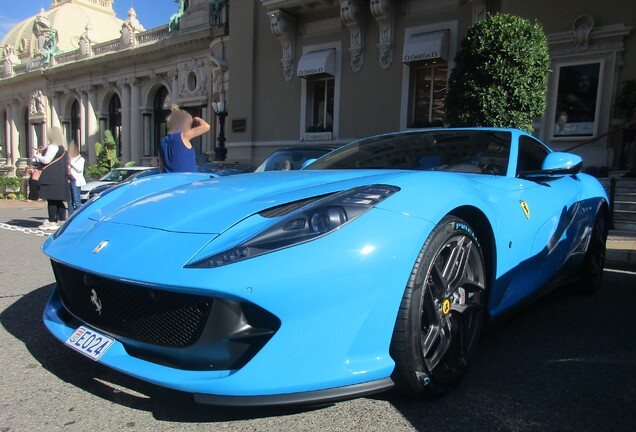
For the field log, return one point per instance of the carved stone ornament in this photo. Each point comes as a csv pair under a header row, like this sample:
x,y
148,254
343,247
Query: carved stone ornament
x,y
352,15
37,107
218,67
129,29
9,61
383,12
283,27
86,41
193,79
581,29
479,10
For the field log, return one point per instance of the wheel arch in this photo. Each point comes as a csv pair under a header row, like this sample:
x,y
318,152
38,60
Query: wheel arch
x,y
485,234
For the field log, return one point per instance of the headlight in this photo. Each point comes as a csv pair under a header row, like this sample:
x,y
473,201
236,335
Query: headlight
x,y
308,223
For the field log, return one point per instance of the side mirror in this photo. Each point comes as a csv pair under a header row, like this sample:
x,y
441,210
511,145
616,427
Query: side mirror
x,y
308,162
560,163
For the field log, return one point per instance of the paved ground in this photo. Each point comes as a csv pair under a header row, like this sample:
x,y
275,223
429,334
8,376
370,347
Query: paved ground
x,y
568,362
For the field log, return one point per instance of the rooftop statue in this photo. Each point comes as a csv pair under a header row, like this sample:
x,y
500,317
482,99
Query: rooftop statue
x,y
175,19
46,39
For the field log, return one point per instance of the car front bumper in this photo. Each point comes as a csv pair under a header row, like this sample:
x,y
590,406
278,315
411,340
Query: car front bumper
x,y
336,298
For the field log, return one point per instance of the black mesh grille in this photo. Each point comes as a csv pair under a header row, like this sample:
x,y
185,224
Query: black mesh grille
x,y
131,311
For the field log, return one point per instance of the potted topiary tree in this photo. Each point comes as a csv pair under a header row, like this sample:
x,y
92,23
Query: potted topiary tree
x,y
500,75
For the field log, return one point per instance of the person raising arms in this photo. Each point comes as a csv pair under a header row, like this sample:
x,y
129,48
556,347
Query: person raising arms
x,y
176,153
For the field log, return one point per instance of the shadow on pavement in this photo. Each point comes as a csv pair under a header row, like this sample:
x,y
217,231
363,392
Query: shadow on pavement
x,y
27,223
566,363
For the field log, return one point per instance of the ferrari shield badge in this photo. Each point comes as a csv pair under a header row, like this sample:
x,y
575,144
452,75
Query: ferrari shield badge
x,y
525,208
100,246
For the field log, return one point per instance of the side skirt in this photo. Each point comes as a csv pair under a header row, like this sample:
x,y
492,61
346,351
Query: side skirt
x,y
312,397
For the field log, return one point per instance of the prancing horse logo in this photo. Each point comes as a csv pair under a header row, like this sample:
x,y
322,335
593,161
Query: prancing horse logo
x,y
96,302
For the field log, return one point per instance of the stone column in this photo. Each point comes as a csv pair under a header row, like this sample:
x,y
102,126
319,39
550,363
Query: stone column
x,y
125,120
7,133
83,102
34,135
55,110
136,142
15,135
91,125
147,116
42,141
174,86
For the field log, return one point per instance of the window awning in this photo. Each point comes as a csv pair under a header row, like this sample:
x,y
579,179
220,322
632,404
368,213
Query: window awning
x,y
426,46
317,62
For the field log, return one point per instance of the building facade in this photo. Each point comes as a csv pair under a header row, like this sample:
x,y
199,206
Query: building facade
x,y
318,71
78,67
294,72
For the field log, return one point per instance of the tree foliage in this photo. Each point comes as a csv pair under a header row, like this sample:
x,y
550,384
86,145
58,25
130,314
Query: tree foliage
x,y
500,75
107,160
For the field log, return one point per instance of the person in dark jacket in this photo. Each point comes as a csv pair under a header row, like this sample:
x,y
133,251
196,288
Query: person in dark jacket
x,y
54,178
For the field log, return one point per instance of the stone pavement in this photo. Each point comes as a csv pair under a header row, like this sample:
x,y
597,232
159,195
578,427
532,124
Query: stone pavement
x,y
621,246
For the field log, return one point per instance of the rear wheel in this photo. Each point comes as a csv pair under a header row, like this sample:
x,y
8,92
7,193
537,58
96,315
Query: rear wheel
x,y
442,311
591,274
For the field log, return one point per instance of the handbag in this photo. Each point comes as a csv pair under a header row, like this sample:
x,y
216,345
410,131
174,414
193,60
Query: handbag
x,y
35,175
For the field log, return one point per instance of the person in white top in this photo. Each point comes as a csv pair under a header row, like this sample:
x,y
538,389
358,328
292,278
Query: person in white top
x,y
76,168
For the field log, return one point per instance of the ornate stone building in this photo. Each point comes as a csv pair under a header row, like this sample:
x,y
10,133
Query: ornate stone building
x,y
302,72
79,67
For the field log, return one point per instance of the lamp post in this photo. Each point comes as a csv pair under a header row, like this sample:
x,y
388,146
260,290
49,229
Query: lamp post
x,y
220,109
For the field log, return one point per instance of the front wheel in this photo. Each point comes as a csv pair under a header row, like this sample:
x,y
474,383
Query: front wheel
x,y
442,311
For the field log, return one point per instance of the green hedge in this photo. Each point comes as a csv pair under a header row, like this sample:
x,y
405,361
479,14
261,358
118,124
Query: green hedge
x,y
500,74
10,182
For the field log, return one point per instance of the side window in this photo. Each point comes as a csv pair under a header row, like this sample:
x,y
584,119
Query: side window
x,y
531,155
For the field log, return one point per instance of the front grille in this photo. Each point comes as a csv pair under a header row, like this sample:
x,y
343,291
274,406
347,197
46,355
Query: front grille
x,y
135,312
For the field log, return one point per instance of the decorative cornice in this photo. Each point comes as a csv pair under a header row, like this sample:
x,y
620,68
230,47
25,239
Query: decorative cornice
x,y
383,12
352,15
593,40
283,26
479,9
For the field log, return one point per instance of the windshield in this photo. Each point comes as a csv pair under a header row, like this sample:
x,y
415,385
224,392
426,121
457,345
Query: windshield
x,y
287,160
119,175
469,151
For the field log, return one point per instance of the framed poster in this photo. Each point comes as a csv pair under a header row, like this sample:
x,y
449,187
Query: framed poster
x,y
576,113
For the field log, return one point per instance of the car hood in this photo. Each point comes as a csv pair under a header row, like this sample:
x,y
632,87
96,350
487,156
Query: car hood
x,y
89,186
212,206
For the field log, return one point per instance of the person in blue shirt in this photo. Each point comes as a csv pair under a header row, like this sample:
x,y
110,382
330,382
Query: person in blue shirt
x,y
176,153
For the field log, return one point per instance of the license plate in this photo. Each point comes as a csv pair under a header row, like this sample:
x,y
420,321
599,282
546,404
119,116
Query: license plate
x,y
89,342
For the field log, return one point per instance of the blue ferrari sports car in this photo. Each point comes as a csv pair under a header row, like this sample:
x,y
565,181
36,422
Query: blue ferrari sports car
x,y
375,266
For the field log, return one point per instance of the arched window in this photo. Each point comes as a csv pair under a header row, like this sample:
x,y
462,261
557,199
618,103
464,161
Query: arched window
x,y
160,114
114,120
75,123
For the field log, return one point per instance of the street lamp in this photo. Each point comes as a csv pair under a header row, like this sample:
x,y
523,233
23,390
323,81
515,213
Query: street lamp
x,y
220,109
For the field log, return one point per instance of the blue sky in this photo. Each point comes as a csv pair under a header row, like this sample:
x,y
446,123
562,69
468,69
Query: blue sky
x,y
151,13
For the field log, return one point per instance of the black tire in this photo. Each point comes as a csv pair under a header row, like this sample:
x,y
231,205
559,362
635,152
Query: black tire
x,y
591,274
442,311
